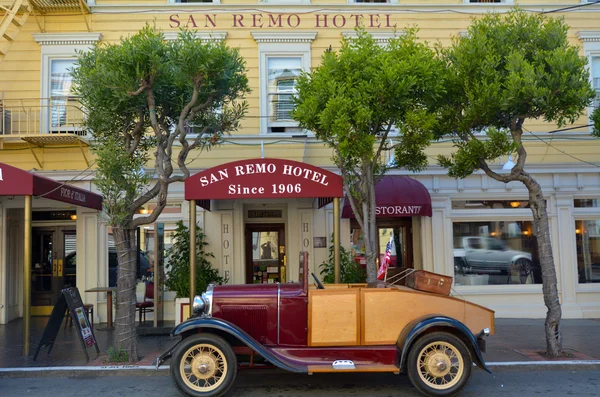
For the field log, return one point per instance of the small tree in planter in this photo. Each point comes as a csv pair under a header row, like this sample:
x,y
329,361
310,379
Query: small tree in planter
x,y
178,266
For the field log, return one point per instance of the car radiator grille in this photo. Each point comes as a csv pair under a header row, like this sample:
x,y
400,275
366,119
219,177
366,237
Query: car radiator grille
x,y
250,318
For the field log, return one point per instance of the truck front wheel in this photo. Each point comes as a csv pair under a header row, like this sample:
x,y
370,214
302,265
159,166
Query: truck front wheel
x,y
439,364
204,365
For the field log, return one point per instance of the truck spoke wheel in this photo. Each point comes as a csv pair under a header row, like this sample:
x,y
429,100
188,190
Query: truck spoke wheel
x,y
439,364
204,365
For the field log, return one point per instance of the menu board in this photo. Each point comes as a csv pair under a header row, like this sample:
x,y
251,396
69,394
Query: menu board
x,y
69,302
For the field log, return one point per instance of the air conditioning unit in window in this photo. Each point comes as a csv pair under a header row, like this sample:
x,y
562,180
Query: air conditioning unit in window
x,y
5,122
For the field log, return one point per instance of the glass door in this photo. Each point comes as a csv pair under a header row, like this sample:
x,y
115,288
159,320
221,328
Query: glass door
x,y
265,254
53,266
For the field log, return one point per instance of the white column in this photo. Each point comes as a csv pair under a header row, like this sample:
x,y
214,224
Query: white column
x,y
565,256
92,260
441,232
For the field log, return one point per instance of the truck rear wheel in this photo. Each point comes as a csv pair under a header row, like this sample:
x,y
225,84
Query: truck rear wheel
x,y
204,365
439,364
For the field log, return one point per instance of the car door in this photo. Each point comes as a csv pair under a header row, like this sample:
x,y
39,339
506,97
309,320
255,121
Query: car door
x,y
475,252
498,256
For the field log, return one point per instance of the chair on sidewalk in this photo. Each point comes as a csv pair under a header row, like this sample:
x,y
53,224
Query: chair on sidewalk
x,y
147,305
89,313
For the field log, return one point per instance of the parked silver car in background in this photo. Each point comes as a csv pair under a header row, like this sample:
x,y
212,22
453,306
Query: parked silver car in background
x,y
488,255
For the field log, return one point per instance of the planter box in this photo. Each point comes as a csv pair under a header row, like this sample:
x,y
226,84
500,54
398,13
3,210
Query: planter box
x,y
182,310
472,279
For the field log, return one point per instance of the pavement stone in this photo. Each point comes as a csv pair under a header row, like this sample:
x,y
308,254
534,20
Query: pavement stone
x,y
516,340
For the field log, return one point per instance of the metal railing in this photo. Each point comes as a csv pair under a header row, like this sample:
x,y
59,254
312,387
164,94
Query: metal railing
x,y
62,115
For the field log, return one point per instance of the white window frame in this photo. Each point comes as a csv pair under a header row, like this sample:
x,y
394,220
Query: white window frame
x,y
58,46
194,4
282,44
387,2
482,4
591,49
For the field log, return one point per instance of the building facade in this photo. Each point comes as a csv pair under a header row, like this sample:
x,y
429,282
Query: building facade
x,y
477,229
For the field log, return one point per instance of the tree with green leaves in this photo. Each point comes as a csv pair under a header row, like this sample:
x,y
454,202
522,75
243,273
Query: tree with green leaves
x,y
506,70
151,102
178,265
356,98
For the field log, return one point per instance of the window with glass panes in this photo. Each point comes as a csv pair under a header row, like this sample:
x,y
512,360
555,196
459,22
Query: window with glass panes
x,y
281,79
61,83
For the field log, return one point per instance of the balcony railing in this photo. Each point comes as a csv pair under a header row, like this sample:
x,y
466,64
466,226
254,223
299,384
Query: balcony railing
x,y
27,117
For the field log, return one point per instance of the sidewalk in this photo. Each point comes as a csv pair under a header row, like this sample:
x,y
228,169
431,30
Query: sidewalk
x,y
517,342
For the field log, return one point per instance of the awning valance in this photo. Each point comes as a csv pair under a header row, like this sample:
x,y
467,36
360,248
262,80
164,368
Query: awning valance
x,y
17,182
397,196
263,178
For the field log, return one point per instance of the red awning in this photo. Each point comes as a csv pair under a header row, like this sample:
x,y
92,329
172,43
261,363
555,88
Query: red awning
x,y
263,179
397,196
17,182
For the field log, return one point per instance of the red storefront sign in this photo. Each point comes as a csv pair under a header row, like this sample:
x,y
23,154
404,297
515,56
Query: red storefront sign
x,y
17,182
262,179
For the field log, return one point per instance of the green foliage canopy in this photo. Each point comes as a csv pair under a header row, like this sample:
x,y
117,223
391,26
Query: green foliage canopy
x,y
505,70
178,267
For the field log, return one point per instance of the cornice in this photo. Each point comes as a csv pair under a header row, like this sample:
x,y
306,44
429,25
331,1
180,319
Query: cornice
x,y
284,37
66,38
589,36
204,36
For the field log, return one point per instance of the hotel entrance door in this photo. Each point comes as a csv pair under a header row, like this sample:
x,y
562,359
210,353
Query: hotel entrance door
x,y
265,253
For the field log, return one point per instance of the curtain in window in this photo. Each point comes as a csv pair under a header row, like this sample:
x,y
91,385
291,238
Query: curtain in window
x,y
596,79
60,89
282,74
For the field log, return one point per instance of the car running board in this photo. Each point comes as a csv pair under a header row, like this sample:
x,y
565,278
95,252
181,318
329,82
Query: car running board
x,y
351,367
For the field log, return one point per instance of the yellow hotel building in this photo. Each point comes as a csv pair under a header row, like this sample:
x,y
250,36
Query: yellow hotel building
x,y
478,231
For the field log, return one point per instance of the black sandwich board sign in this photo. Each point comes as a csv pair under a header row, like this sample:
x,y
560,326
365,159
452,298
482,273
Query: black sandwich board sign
x,y
68,302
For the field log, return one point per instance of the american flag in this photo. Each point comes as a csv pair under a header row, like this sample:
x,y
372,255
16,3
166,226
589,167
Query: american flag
x,y
386,260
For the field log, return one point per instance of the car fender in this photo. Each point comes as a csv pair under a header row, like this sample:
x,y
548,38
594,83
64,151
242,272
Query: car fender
x,y
421,326
219,326
521,256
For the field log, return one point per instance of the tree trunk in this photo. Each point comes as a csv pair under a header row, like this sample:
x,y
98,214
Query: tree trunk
x,y
125,242
549,280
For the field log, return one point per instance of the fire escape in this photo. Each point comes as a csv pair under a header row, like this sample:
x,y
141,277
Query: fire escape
x,y
39,122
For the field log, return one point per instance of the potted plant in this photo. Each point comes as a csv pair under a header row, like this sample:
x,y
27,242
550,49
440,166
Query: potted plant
x,y
178,268
350,271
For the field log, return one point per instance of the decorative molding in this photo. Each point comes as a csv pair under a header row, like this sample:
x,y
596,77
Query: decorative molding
x,y
589,36
284,37
380,37
204,36
66,38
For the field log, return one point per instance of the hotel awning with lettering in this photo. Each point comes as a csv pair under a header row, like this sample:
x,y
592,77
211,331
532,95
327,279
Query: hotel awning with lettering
x,y
17,182
263,178
397,196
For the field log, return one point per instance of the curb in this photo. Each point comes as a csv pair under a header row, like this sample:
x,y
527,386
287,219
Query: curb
x,y
150,370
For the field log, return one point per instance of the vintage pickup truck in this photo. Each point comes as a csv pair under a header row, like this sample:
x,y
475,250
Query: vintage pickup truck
x,y
333,328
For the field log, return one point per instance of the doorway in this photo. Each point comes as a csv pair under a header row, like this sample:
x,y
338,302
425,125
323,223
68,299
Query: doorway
x,y
398,231
53,267
265,253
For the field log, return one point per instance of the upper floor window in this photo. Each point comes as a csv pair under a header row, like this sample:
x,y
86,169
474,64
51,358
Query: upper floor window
x,y
60,110
61,83
282,57
282,74
596,79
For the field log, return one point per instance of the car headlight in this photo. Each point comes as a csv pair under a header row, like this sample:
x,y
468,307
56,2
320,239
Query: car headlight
x,y
202,305
199,305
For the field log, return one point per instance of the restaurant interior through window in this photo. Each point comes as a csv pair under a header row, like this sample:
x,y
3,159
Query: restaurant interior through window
x,y
587,239
489,251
